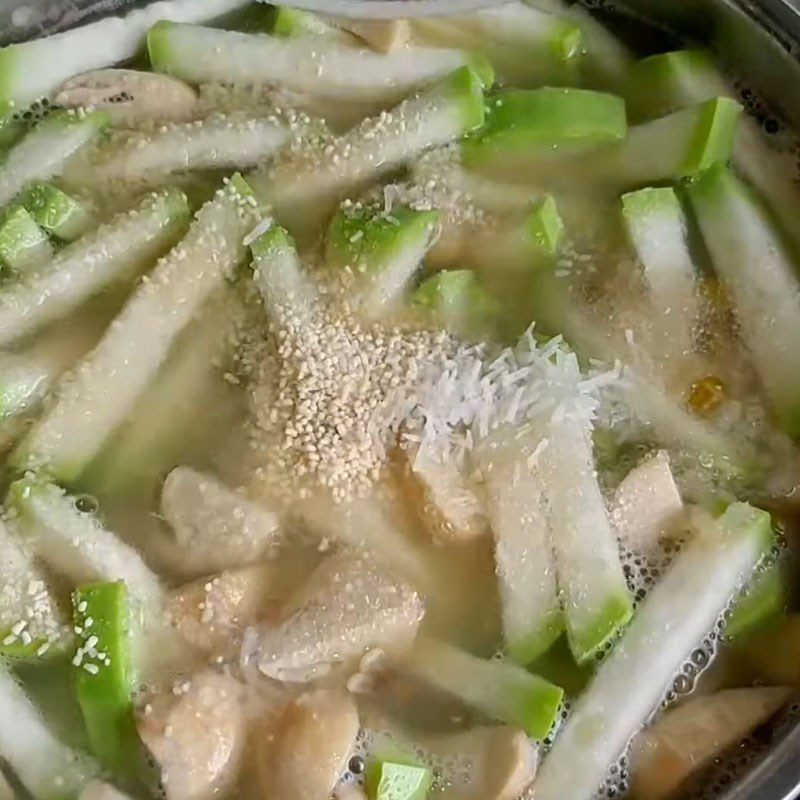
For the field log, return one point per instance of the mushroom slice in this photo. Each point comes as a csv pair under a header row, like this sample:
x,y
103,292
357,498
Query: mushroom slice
x,y
450,508
132,98
504,759
648,509
347,607
212,613
690,736
217,527
382,35
196,737
313,740
500,761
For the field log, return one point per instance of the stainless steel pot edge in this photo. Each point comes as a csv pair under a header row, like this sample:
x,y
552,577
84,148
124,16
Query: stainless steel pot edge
x,y
761,40
777,777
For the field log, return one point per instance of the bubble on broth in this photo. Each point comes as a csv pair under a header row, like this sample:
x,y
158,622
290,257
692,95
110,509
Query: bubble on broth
x,y
643,572
87,504
152,774
563,716
617,779
34,113
362,748
356,765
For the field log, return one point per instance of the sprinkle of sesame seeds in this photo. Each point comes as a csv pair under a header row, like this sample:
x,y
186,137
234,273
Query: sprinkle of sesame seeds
x,y
326,394
334,394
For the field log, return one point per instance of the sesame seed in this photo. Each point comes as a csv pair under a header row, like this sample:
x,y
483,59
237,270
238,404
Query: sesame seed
x,y
326,391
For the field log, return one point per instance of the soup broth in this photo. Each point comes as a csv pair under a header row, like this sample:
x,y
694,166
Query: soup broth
x,y
392,410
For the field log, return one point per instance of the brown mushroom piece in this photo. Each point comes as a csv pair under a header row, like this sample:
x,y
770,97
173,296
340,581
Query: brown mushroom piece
x,y
217,527
689,737
449,506
212,613
648,510
132,98
502,761
347,606
308,753
196,736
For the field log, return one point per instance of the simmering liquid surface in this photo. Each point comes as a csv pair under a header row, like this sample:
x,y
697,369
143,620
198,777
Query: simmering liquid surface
x,y
393,410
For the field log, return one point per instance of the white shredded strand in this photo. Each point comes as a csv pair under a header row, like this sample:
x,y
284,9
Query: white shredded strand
x,y
263,226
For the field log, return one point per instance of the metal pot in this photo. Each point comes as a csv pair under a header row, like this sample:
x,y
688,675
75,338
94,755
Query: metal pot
x,y
759,39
